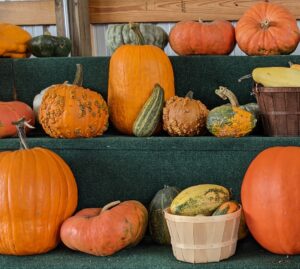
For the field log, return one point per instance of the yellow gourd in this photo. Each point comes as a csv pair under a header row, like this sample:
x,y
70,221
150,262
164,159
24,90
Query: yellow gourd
x,y
277,76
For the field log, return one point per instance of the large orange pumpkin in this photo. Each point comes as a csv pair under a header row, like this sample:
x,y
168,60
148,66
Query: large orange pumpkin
x,y
271,199
267,29
103,232
37,193
13,111
191,37
133,72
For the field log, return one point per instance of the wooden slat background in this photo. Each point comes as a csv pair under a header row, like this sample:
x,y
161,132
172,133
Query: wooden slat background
x,y
113,11
42,12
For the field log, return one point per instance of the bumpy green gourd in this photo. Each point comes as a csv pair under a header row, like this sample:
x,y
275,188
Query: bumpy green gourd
x,y
150,114
120,34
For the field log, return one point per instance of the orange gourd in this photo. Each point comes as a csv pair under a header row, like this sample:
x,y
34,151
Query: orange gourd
x,y
37,193
13,111
267,29
105,231
271,201
13,41
71,111
192,37
133,72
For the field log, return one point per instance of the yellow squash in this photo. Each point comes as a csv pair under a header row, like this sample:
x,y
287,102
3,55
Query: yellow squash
x,y
201,199
277,76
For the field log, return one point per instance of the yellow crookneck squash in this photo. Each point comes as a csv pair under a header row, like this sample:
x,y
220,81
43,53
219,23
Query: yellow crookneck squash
x,y
133,72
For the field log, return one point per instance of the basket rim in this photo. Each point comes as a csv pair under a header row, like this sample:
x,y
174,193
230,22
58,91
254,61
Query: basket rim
x,y
199,219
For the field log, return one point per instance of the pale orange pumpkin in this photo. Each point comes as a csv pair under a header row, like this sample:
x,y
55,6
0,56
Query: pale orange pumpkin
x,y
37,193
133,72
105,231
192,37
267,29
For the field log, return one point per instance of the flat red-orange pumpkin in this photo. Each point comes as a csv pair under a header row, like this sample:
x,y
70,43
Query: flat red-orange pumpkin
x,y
192,37
267,29
271,199
104,232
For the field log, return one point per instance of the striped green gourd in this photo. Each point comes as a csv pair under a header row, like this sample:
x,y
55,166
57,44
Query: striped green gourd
x,y
150,114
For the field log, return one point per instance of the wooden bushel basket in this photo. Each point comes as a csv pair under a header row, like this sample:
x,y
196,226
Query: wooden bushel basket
x,y
279,110
202,239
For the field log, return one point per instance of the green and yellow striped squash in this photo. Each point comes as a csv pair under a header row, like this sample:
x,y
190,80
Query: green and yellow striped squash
x,y
201,199
150,115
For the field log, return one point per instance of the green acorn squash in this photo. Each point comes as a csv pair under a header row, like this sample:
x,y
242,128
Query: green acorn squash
x,y
157,224
50,46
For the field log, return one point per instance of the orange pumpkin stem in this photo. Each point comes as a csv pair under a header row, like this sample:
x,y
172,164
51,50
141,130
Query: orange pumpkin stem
x,y
110,205
79,75
20,125
265,24
225,94
135,27
190,94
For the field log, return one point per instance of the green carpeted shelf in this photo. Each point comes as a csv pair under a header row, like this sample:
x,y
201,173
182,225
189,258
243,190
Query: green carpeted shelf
x,y
249,255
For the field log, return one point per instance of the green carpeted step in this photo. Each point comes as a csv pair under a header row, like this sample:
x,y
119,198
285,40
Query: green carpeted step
x,y
116,167
249,255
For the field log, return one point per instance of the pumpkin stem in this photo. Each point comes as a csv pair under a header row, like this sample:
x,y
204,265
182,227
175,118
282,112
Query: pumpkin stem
x,y
20,125
265,24
190,94
110,205
135,27
225,94
79,75
244,77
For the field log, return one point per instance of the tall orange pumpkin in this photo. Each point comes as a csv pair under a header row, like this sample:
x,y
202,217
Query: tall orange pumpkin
x,y
133,72
271,199
37,193
192,37
267,29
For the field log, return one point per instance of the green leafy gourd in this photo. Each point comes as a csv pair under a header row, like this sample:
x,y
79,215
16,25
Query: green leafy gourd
x,y
150,115
231,120
157,224
120,34
50,46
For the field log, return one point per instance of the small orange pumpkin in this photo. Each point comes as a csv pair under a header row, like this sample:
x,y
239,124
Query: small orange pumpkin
x,y
267,29
71,111
37,193
191,37
105,231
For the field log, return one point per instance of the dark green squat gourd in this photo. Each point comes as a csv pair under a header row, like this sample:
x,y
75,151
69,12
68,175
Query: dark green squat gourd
x,y
157,224
121,34
150,115
50,46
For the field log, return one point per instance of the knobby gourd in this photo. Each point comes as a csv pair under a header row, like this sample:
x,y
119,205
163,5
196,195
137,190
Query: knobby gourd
x,y
133,70
231,120
38,192
184,116
71,111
